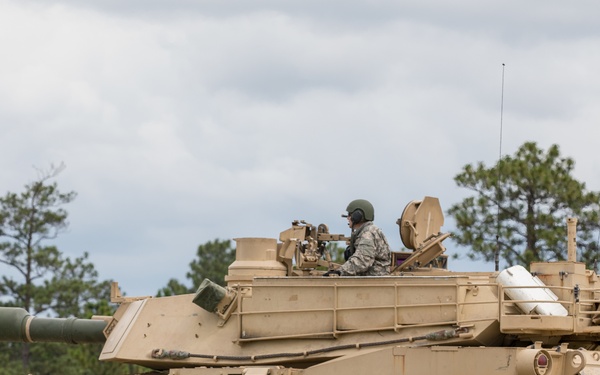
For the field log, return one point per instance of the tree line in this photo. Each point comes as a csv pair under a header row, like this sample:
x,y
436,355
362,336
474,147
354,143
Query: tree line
x,y
517,214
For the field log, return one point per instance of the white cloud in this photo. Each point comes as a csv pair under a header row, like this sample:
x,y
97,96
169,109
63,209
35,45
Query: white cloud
x,y
196,121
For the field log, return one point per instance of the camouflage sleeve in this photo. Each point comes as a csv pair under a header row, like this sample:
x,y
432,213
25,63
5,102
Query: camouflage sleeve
x,y
363,257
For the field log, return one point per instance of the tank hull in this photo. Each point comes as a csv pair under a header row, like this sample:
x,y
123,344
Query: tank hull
x,y
446,360
315,319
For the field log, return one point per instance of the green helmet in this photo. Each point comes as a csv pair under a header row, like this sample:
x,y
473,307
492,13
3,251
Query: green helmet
x,y
364,206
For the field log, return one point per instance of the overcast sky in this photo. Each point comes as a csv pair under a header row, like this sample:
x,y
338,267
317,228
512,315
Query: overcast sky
x,y
184,121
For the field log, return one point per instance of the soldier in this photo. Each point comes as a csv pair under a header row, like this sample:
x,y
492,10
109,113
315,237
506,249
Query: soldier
x,y
369,251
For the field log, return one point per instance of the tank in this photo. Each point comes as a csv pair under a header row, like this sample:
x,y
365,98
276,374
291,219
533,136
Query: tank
x,y
278,315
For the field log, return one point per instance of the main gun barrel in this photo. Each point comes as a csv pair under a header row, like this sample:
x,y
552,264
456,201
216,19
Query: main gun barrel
x,y
19,326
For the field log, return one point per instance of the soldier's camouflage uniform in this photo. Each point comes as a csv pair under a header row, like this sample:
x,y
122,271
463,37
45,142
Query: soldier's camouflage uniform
x,y
371,253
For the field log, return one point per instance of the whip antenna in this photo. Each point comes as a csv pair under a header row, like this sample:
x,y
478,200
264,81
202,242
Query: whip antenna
x,y
497,253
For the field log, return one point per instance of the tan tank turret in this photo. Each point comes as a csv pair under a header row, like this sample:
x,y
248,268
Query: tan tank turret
x,y
278,315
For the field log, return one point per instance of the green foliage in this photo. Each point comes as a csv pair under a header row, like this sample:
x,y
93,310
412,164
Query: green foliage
x,y
174,288
43,281
10,358
26,220
60,358
213,260
336,252
521,206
